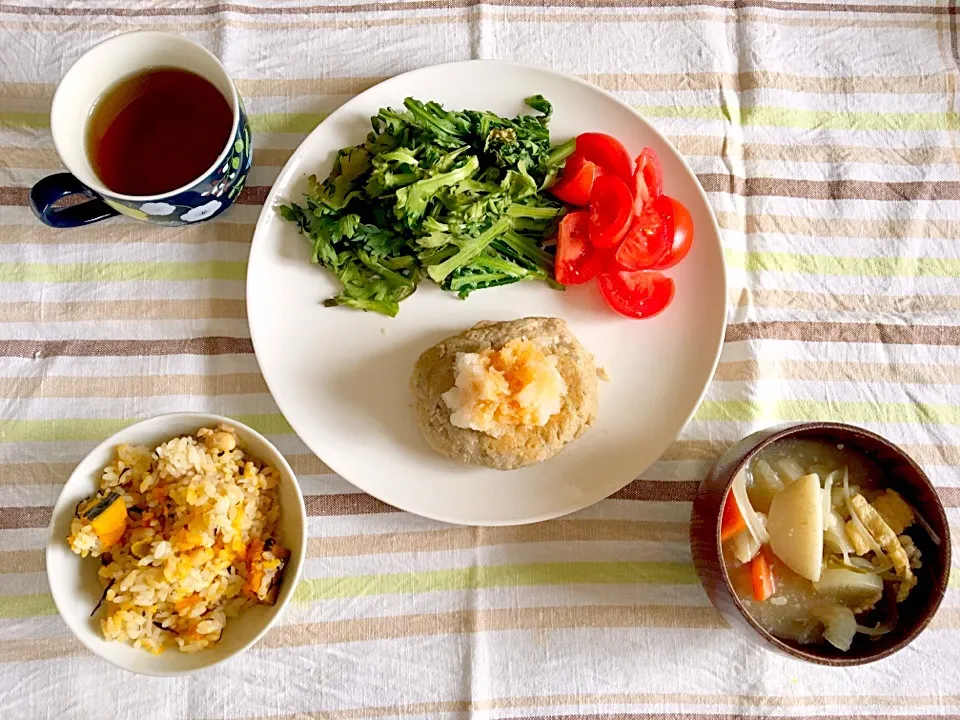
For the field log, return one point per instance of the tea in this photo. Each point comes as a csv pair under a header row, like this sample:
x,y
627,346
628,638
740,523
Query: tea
x,y
156,131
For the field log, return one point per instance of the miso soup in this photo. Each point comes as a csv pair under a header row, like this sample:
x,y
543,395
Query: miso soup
x,y
818,548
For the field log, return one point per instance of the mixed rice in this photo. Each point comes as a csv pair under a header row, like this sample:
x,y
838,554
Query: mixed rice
x,y
186,535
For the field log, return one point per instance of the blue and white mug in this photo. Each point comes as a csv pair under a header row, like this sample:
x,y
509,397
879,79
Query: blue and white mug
x,y
96,71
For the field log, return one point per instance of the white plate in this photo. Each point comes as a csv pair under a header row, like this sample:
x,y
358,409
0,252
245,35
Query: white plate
x,y
341,376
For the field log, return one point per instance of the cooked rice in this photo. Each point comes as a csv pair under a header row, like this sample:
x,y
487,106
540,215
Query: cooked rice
x,y
199,541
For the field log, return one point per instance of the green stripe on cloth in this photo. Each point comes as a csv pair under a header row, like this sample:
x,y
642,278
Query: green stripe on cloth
x,y
97,429
15,120
622,573
497,576
120,271
724,410
233,270
23,606
286,122
836,410
761,115
838,265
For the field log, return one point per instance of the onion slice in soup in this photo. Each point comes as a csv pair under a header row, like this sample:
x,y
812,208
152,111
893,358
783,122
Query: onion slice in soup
x,y
840,626
750,517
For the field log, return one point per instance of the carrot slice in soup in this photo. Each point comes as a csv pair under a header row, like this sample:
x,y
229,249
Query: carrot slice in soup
x,y
732,520
762,577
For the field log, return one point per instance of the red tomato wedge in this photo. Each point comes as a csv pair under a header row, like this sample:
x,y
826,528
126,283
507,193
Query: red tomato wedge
x,y
647,180
646,242
762,576
607,152
611,211
577,261
679,232
639,294
731,521
576,182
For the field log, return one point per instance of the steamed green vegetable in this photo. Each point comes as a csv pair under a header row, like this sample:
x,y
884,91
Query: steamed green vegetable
x,y
455,196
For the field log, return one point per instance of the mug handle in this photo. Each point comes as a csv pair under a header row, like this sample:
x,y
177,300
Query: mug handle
x,y
52,188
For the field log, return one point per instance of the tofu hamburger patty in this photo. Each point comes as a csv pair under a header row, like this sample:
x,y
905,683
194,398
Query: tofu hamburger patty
x,y
523,444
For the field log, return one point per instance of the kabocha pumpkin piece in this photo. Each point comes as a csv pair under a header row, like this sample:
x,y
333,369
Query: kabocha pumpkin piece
x,y
110,523
98,506
104,518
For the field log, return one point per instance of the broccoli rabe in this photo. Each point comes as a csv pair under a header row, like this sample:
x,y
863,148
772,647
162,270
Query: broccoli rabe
x,y
453,196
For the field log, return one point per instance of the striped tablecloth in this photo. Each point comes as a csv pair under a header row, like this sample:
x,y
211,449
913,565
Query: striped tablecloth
x,y
826,136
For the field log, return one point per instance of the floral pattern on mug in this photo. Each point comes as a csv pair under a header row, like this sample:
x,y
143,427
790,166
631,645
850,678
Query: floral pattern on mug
x,y
158,209
202,212
206,198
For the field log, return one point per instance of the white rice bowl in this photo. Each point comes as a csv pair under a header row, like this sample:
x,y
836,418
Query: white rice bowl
x,y
231,621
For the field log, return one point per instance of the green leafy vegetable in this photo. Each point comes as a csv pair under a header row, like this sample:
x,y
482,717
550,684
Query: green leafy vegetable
x,y
453,196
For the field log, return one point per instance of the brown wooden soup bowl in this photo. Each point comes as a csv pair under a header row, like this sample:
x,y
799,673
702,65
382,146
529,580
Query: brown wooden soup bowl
x,y
902,474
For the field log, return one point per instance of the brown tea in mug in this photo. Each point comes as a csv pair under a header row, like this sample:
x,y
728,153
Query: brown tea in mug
x,y
157,130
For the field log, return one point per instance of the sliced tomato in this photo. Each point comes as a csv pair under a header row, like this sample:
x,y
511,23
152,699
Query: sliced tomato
x,y
647,180
679,231
576,182
640,294
607,152
645,243
611,211
577,261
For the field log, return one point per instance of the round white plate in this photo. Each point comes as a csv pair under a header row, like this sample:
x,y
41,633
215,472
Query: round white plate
x,y
341,377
